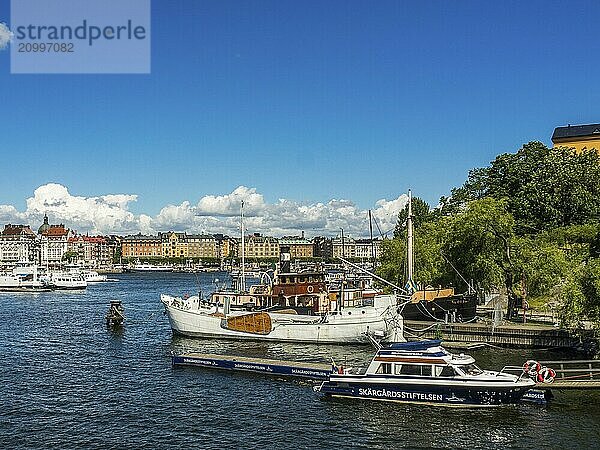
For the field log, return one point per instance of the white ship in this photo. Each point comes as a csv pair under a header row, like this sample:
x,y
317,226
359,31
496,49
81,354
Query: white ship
x,y
147,267
192,317
91,276
23,279
65,280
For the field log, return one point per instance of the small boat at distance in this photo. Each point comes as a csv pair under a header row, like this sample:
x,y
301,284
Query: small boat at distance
x,y
424,372
147,267
65,280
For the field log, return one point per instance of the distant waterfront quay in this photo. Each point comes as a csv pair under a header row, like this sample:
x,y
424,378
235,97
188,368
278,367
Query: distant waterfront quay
x,y
54,245
68,381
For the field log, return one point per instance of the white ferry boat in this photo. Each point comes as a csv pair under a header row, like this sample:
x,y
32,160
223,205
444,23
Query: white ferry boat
x,y
65,280
425,372
147,267
23,279
91,276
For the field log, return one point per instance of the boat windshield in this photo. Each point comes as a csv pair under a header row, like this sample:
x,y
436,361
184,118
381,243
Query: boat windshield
x,y
471,369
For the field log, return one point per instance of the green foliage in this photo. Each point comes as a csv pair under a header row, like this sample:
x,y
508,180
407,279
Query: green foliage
x,y
528,224
421,214
545,188
480,243
590,287
392,263
69,256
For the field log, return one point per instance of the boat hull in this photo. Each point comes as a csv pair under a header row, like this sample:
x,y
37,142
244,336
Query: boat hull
x,y
456,393
456,307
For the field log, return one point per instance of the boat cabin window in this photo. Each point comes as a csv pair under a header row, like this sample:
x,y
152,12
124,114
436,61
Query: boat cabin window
x,y
385,368
444,371
471,369
413,369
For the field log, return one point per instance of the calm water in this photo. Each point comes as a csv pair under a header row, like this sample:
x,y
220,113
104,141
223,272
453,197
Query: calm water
x,y
68,382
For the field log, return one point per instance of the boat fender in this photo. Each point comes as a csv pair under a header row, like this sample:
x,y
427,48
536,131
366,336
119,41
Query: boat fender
x,y
532,367
546,375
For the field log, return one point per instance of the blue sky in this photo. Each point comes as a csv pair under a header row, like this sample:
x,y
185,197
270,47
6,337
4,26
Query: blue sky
x,y
307,101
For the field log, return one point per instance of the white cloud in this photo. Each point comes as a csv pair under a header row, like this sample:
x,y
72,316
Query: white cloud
x,y
6,36
229,204
109,214
105,214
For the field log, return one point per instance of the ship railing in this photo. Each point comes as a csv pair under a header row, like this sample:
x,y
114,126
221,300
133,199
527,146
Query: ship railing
x,y
575,370
513,370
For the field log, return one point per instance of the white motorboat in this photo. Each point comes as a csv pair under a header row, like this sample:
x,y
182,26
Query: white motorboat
x,y
425,372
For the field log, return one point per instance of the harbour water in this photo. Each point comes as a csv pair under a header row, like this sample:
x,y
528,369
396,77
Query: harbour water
x,y
66,381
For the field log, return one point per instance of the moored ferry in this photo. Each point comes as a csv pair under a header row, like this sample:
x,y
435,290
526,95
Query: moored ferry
x,y
425,372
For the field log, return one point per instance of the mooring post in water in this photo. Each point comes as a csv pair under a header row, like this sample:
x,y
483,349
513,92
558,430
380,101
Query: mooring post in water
x,y
115,316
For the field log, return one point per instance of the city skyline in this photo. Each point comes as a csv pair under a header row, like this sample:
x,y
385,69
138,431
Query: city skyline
x,y
336,109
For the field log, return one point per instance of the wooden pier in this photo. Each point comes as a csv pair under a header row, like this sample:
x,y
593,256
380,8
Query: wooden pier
x,y
576,374
275,367
505,335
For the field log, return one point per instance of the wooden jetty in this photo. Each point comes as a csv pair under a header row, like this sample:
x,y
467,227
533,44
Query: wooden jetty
x,y
296,369
505,335
569,374
575,374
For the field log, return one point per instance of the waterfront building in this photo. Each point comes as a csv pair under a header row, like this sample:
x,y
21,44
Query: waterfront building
x,y
362,249
174,245
18,244
225,246
298,245
90,251
258,246
114,246
577,137
201,246
141,246
367,249
53,243
322,247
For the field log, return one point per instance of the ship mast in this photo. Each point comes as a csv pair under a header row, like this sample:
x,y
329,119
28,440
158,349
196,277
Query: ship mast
x,y
242,271
409,244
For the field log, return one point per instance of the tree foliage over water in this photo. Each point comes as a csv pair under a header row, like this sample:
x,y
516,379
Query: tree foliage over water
x,y
528,225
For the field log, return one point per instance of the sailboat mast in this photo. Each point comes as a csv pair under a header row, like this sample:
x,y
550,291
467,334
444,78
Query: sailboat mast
x,y
373,260
409,245
242,271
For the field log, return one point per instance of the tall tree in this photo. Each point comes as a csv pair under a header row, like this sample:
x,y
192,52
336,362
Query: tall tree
x,y
544,188
421,213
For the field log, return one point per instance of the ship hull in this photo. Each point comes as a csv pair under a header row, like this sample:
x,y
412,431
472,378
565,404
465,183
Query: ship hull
x,y
460,308
449,393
